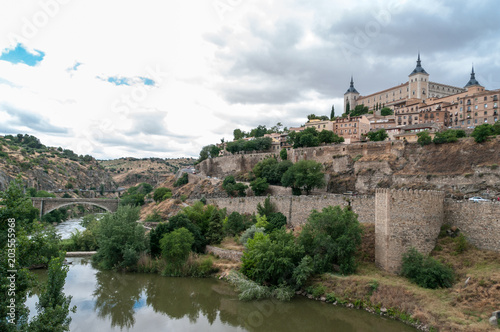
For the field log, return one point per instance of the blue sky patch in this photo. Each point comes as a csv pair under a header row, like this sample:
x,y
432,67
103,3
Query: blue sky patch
x,y
20,55
118,80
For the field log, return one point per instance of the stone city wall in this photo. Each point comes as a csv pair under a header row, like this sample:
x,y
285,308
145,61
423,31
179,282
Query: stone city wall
x,y
232,255
480,222
298,208
404,219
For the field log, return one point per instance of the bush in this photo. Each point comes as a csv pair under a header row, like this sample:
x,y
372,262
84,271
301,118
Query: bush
x,y
461,244
305,175
161,194
274,259
259,186
424,138
250,233
232,188
120,239
481,133
426,272
332,237
283,154
182,180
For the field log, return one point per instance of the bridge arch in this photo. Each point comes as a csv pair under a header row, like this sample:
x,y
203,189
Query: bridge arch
x,y
48,204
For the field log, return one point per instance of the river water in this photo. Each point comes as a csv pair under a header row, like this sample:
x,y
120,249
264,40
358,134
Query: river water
x,y
69,226
113,301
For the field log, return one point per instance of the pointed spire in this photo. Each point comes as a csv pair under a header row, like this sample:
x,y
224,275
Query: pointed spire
x,y
351,87
418,68
472,80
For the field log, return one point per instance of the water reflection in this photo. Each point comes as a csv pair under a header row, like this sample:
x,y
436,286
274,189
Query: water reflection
x,y
111,301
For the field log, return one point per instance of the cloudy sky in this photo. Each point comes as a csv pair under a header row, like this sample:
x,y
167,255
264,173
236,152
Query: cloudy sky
x,y
163,78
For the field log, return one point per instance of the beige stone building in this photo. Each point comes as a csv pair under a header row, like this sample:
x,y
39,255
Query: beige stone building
x,y
320,125
351,128
417,89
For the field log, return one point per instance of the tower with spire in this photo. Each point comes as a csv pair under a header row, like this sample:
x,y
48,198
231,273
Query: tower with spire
x,y
472,81
350,97
418,82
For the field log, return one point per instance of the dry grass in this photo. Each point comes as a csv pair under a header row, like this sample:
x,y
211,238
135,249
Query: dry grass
x,y
460,308
231,244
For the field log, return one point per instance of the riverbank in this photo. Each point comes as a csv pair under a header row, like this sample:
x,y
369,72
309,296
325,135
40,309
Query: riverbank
x,y
466,306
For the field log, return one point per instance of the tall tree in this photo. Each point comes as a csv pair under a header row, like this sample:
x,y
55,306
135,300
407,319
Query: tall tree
x,y
304,175
332,113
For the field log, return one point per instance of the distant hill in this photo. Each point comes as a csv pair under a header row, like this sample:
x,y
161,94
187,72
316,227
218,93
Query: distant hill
x,y
129,171
49,168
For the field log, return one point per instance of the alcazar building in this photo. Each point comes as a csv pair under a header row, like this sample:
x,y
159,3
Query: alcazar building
x,y
421,101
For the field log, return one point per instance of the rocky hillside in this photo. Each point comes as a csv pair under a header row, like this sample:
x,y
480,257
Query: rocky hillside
x,y
127,172
49,168
461,168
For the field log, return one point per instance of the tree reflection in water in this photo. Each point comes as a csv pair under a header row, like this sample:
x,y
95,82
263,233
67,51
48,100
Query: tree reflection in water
x,y
115,296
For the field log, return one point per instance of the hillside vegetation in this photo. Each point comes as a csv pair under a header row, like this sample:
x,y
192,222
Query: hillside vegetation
x,y
49,168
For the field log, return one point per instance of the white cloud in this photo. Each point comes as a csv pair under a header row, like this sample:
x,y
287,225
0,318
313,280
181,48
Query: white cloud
x,y
243,64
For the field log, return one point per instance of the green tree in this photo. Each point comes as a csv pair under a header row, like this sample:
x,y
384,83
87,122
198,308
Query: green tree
x,y
161,194
176,246
332,113
232,188
53,306
267,208
15,204
347,108
481,133
386,111
332,236
305,175
259,186
120,239
328,136
236,223
283,154
215,233
424,138
238,134
359,110
379,135
496,128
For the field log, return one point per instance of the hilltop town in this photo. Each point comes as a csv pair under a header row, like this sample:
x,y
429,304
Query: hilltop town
x,y
401,111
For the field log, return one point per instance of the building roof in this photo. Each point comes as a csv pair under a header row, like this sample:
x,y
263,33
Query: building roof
x,y
418,68
351,88
420,126
472,80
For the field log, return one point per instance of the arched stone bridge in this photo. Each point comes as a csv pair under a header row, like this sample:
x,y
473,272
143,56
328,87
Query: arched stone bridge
x,y
47,204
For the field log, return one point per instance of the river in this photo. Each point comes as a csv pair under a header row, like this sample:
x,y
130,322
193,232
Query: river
x,y
113,301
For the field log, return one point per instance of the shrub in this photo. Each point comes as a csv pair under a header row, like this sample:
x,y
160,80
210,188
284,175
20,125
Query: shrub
x,y
273,259
461,244
259,186
481,133
425,271
250,233
232,188
161,194
424,138
283,154
182,180
178,221
332,237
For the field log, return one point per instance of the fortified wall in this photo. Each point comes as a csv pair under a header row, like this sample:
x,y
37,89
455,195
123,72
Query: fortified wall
x,y
403,218
298,208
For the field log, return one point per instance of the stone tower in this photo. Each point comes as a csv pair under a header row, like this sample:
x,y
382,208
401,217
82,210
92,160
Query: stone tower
x,y
350,97
418,82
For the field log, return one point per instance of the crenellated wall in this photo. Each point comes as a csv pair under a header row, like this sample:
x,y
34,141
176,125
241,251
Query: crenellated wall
x,y
404,219
298,208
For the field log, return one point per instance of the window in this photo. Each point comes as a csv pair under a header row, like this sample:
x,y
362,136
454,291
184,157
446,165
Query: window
x,y
485,98
485,105
485,112
476,107
485,120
